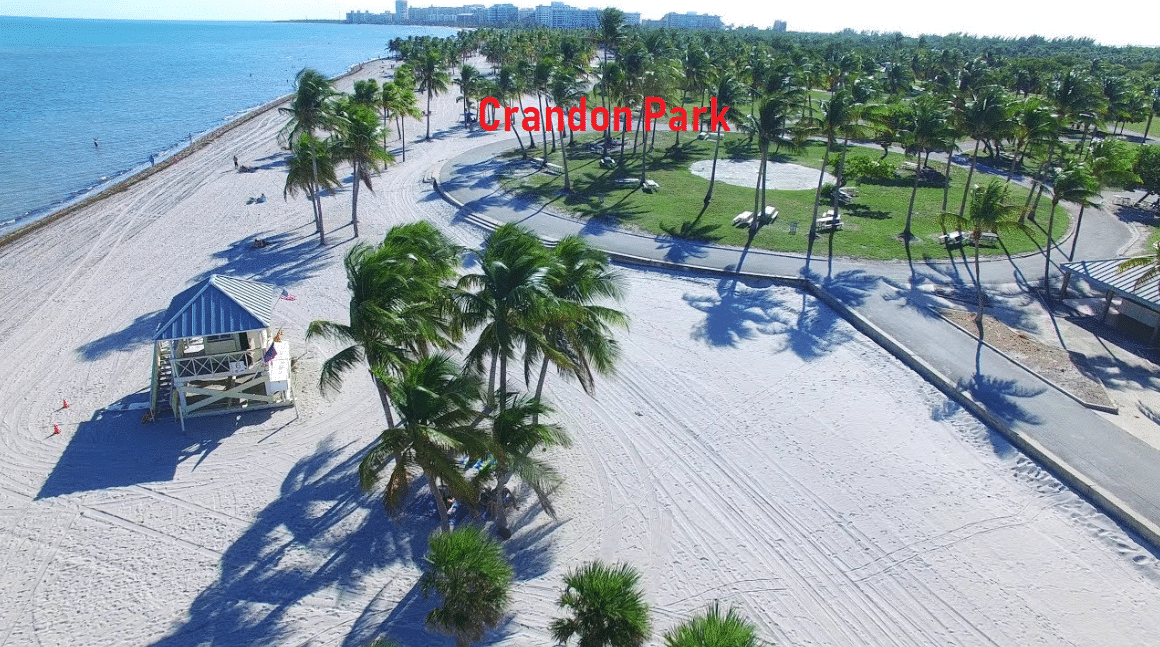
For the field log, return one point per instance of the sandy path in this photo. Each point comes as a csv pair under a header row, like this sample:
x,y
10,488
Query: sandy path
x,y
753,449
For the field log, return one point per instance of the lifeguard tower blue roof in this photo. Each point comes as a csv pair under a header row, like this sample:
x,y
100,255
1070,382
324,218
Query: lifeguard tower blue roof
x,y
219,305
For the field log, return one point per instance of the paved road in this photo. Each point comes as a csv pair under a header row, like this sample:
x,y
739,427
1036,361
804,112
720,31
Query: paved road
x,y
1114,469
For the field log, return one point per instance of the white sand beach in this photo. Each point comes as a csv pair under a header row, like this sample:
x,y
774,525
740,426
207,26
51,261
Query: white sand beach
x,y
753,449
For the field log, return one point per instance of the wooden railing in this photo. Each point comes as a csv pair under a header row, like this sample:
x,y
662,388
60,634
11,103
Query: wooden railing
x,y
225,364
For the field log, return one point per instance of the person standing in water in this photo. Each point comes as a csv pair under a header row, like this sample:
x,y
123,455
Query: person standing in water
x,y
95,144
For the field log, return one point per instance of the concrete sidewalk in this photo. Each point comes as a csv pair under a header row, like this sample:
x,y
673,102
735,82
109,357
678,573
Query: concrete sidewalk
x,y
888,301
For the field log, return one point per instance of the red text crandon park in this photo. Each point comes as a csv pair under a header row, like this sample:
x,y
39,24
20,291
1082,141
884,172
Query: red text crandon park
x,y
578,118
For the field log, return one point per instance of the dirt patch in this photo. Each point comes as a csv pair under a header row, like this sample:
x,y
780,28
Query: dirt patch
x,y
1069,371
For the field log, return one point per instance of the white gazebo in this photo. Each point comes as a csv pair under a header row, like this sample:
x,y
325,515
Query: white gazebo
x,y
216,351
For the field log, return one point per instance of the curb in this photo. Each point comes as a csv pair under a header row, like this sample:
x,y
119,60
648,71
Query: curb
x,y
1090,405
1101,498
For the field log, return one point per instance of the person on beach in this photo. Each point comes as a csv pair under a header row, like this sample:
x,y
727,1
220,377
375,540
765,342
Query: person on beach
x,y
235,161
152,160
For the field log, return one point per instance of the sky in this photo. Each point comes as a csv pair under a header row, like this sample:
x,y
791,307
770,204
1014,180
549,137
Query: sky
x,y
1135,22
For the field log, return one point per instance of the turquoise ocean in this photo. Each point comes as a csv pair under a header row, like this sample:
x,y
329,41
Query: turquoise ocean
x,y
142,88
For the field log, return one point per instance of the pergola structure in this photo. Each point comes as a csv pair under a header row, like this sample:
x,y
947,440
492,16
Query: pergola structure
x,y
1138,301
216,352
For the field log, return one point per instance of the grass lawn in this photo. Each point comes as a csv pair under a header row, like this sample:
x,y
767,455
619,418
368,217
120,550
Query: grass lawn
x,y
872,222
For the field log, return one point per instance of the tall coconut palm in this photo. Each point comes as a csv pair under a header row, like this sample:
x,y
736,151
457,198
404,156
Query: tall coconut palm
x,y
399,101
432,77
509,88
711,629
986,116
565,91
366,92
311,170
437,404
989,212
610,33
577,331
310,111
1074,184
505,299
468,81
516,434
1034,126
357,142
728,94
469,572
399,307
1111,165
607,607
925,129
837,114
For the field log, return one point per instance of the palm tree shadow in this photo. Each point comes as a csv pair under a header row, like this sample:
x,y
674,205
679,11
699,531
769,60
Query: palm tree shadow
x,y
320,534
286,259
1000,397
736,313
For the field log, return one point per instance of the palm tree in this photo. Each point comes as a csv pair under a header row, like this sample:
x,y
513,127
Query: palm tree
x,y
468,82
398,306
1152,262
1074,184
311,169
367,93
437,407
989,212
610,34
565,91
398,100
505,299
357,142
925,130
837,113
1111,165
728,94
309,112
469,571
509,87
515,435
432,78
577,331
607,607
711,629
1034,126
983,118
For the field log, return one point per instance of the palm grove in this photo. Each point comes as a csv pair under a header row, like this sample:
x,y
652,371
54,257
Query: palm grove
x,y
447,349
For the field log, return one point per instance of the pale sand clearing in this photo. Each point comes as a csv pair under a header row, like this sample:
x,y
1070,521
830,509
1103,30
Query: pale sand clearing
x,y
753,449
780,176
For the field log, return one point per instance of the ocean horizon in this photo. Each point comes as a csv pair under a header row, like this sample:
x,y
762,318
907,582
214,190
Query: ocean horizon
x,y
90,101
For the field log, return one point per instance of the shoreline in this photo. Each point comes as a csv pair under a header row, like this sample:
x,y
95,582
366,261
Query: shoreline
x,y
99,193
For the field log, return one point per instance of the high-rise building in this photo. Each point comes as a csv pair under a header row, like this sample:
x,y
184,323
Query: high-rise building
x,y
402,14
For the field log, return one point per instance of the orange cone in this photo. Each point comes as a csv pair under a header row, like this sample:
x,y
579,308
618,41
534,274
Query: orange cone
x,y
55,429
65,404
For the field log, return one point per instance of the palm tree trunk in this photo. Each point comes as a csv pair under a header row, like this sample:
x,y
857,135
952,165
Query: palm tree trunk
x,y
403,135
1147,127
1075,236
440,504
841,174
499,510
978,288
540,388
713,173
967,184
544,120
818,193
1047,254
906,235
1028,210
564,155
947,179
384,398
354,199
429,93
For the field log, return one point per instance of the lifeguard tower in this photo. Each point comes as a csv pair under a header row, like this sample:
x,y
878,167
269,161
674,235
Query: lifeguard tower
x,y
216,351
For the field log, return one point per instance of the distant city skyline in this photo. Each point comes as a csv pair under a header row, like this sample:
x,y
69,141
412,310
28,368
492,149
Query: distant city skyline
x,y
1134,22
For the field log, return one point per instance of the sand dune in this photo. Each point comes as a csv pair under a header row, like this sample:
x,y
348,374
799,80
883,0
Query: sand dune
x,y
753,449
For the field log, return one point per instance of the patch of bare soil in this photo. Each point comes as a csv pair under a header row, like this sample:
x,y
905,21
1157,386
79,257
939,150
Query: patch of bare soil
x,y
1067,370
